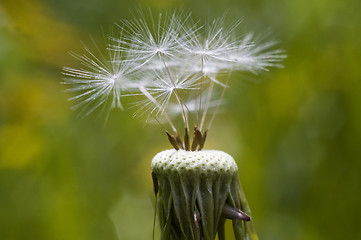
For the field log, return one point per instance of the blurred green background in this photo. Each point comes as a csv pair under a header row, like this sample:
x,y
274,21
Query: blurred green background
x,y
296,135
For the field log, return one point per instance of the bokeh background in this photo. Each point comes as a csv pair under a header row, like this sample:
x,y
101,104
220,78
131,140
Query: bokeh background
x,y
295,132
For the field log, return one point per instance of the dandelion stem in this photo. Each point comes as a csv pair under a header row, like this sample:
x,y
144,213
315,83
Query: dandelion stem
x,y
221,232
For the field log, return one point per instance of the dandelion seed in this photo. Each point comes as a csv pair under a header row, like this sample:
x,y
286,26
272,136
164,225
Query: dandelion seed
x,y
101,81
210,46
253,55
156,41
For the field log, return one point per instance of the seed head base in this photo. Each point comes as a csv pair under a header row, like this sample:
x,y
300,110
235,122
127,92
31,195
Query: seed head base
x,y
197,192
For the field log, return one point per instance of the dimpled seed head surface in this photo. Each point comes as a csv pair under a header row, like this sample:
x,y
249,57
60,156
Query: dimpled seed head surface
x,y
205,161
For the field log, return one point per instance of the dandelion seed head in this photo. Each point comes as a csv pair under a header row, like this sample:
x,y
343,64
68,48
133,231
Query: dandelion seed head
x,y
168,64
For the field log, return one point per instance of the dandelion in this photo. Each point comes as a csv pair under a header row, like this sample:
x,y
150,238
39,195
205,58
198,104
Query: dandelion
x,y
174,66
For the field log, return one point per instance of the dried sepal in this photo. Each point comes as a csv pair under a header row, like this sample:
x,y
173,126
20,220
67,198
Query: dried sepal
x,y
172,140
186,140
179,140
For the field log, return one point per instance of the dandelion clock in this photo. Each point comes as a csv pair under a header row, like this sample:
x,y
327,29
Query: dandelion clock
x,y
172,66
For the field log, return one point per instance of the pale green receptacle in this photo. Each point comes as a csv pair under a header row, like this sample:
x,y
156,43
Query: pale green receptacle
x,y
194,187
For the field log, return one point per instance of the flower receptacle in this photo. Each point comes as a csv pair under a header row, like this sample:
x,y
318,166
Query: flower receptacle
x,y
197,191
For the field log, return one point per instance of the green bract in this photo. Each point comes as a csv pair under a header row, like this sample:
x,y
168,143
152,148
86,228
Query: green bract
x,y
197,189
